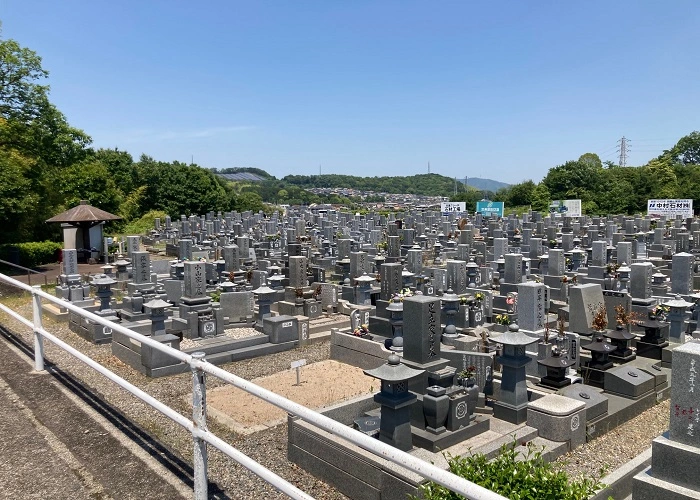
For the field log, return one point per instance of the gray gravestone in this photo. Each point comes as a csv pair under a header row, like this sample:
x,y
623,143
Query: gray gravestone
x,y
640,280
457,276
391,280
195,285
531,306
583,303
421,332
70,262
230,254
682,273
185,249
297,272
132,245
237,306
557,262
513,268
141,267
624,252
599,253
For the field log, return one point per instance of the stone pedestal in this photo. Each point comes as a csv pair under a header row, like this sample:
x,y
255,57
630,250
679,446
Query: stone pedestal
x,y
559,419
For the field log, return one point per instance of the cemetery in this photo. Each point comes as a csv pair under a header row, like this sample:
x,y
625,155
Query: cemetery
x,y
475,330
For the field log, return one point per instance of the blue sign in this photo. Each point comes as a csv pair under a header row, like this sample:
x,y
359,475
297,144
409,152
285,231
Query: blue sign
x,y
490,208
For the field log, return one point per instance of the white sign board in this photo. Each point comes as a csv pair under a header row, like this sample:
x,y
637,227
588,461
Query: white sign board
x,y
570,208
297,364
453,206
670,207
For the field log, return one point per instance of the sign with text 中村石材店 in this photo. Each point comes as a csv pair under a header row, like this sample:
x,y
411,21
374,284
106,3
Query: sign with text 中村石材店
x,y
453,206
490,208
570,208
675,207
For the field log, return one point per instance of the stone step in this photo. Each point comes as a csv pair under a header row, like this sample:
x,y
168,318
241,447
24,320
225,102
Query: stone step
x,y
225,344
552,449
522,435
250,352
647,487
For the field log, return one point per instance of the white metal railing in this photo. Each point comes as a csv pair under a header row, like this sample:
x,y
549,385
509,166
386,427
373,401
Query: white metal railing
x,y
197,425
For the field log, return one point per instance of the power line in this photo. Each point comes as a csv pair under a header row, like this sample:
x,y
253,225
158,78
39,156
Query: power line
x,y
623,150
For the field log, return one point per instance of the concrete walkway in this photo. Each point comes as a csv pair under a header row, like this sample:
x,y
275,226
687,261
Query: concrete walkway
x,y
58,440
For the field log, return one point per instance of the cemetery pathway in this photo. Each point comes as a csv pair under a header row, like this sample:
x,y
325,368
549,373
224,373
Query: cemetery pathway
x,y
52,271
55,445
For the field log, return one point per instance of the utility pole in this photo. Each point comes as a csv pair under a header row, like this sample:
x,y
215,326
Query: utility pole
x,y
319,169
623,149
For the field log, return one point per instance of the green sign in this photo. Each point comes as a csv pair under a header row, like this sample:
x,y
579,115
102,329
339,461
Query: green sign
x,y
490,208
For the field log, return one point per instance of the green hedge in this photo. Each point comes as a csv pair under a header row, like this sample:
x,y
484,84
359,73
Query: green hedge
x,y
33,253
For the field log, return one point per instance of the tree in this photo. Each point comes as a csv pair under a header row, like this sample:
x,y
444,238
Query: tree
x,y
686,151
88,180
21,97
521,194
29,122
591,160
249,201
120,166
17,198
541,198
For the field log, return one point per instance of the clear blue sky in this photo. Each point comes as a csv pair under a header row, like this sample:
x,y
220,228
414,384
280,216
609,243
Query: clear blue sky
x,y
503,90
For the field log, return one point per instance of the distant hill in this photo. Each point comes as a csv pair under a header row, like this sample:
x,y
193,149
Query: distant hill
x,y
486,184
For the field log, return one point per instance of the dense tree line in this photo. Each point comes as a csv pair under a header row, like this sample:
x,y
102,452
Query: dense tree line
x,y
605,188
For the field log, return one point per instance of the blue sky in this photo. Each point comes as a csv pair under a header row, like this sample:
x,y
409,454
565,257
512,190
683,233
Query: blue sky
x,y
497,89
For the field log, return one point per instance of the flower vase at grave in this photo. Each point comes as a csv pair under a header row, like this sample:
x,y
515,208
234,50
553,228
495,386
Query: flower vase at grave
x,y
436,406
472,391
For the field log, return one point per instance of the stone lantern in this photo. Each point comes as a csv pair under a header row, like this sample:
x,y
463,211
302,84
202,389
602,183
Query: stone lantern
x,y
578,258
653,341
556,366
157,309
472,272
406,276
396,401
345,266
103,291
512,404
450,305
396,321
624,271
364,288
620,337
378,261
122,273
437,248
676,315
265,295
500,268
595,368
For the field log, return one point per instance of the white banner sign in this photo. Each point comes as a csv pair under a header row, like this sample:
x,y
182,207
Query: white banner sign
x,y
670,207
570,208
453,206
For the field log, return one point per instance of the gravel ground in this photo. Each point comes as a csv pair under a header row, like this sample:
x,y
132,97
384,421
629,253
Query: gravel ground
x,y
620,444
268,448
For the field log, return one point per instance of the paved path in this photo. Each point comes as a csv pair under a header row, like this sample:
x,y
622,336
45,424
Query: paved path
x,y
51,271
57,440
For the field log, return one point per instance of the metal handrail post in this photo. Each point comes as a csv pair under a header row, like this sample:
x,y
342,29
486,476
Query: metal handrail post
x,y
38,327
199,418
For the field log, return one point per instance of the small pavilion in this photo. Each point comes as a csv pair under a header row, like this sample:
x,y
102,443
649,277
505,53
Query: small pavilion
x,y
83,229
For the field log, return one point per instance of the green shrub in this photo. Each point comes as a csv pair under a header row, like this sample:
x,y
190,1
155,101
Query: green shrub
x,y
32,253
515,475
145,223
